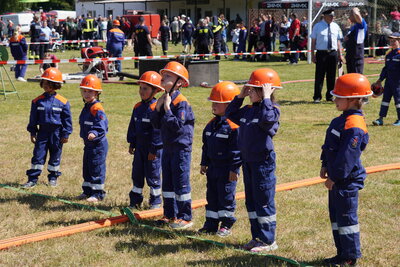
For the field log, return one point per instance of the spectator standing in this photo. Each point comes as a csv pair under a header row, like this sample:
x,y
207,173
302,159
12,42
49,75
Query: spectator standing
x,y
235,38
294,33
164,34
354,41
143,39
175,31
274,32
103,28
284,36
224,46
242,40
10,28
395,15
2,29
253,36
44,37
326,36
187,33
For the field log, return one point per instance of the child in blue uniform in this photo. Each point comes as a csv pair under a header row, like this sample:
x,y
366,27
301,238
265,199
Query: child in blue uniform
x,y
258,123
175,118
19,50
220,161
94,127
50,125
145,143
116,42
346,137
391,73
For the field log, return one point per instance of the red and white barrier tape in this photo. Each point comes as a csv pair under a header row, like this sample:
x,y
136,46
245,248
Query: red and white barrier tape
x,y
62,42
81,60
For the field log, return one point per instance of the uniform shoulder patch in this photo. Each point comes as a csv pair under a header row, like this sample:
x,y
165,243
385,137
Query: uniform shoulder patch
x,y
356,121
96,107
180,98
37,98
137,105
61,98
153,106
233,125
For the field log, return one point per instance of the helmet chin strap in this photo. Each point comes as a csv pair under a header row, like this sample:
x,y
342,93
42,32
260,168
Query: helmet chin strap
x,y
173,86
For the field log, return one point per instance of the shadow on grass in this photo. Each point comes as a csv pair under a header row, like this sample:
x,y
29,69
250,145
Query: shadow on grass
x,y
239,260
65,223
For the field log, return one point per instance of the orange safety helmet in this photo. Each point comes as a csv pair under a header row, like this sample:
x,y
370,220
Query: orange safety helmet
x,y
178,69
116,22
224,92
262,76
352,85
91,82
152,78
53,75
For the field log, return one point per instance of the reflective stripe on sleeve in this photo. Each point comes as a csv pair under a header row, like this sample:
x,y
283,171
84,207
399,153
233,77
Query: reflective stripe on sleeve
x,y
40,108
243,120
88,123
145,120
57,109
398,106
255,120
225,136
208,133
335,132
334,227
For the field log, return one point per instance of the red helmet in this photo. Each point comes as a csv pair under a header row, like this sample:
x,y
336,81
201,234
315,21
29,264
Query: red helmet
x,y
151,78
266,75
116,22
224,92
377,89
178,69
352,85
53,75
91,82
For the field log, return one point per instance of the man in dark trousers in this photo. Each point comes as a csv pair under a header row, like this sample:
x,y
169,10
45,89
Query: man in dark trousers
x,y
326,37
354,41
202,36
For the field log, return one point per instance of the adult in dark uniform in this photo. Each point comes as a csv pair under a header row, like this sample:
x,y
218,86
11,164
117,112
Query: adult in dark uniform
x,y
34,32
217,30
164,35
143,39
354,41
203,35
326,38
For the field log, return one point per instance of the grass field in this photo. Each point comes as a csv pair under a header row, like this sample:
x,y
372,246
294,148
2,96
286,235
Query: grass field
x,y
303,231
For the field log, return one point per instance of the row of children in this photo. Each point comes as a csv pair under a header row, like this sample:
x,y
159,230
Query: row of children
x,y
161,133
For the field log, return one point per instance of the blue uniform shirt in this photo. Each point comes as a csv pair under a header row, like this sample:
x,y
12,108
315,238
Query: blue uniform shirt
x,y
220,144
258,124
50,110
18,47
141,132
115,39
391,71
93,120
177,125
320,34
345,139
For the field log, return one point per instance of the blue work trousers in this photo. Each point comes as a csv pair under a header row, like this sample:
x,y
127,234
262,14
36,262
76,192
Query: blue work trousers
x,y
220,196
176,189
47,140
389,92
343,205
94,168
151,170
259,184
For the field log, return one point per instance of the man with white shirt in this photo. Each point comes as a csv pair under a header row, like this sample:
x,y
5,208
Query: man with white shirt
x,y
326,38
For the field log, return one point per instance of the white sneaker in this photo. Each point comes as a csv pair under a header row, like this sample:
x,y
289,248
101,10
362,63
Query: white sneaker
x,y
21,79
262,247
93,199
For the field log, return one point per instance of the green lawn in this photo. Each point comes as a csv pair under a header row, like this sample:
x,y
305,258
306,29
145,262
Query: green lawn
x,y
303,231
